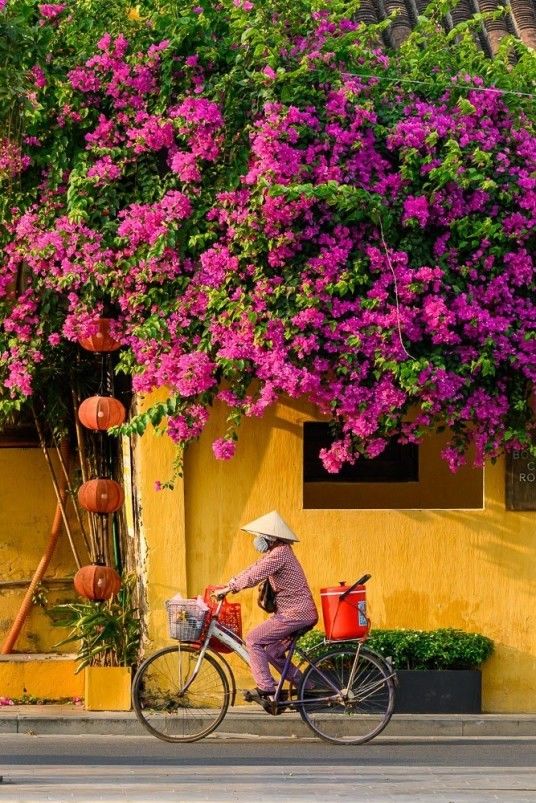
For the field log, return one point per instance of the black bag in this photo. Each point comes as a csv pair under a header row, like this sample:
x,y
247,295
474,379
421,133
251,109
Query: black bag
x,y
266,598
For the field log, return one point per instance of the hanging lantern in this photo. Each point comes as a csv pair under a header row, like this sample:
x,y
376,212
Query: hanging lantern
x,y
101,412
97,582
101,496
101,341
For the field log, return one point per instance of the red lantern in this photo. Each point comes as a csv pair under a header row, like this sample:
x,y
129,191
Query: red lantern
x,y
101,496
97,582
101,412
101,341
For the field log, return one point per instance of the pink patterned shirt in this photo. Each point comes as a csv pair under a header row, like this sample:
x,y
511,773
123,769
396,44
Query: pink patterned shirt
x,y
286,576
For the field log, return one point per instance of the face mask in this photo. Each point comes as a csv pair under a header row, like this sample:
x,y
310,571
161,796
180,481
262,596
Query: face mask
x,y
261,543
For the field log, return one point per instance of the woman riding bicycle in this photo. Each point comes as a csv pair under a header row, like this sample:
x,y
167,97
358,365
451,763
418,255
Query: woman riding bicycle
x,y
295,609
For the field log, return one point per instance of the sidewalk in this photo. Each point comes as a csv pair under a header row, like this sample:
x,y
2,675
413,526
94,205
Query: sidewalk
x,y
248,720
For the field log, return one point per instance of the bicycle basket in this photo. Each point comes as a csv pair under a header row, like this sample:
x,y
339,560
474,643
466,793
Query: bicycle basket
x,y
186,619
230,617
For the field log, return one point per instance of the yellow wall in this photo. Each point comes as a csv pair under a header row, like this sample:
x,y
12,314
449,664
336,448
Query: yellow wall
x,y
162,550
471,569
27,505
40,676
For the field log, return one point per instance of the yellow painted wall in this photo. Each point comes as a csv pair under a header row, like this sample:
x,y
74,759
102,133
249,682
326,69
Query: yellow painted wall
x,y
470,569
27,505
41,676
162,548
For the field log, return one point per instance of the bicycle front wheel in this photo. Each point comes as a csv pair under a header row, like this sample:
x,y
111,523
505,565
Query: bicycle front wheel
x,y
173,701
341,712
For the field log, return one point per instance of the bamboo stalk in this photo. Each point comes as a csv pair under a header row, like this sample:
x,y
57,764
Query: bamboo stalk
x,y
71,492
83,468
59,496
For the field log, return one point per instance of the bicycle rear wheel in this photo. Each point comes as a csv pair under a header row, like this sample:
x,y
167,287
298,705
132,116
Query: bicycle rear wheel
x,y
174,705
344,715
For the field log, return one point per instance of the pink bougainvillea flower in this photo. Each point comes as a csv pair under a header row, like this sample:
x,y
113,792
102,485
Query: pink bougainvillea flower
x,y
38,76
104,170
12,160
185,166
354,243
51,10
416,209
224,448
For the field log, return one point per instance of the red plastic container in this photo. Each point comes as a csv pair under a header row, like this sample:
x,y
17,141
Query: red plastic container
x,y
230,616
347,618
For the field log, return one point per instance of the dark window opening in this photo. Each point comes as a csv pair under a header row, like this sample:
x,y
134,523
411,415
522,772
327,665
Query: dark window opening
x,y
19,433
397,463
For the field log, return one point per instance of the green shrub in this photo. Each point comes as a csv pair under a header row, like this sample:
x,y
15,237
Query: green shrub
x,y
445,648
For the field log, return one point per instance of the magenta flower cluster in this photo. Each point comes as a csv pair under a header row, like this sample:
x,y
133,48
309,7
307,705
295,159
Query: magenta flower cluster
x,y
50,11
12,160
374,255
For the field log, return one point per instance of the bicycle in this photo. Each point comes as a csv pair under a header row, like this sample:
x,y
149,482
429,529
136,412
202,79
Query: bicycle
x,y
182,692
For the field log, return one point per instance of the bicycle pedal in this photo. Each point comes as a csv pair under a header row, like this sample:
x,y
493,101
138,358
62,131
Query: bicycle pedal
x,y
280,709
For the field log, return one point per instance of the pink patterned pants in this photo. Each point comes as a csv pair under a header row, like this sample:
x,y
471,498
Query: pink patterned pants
x,y
268,643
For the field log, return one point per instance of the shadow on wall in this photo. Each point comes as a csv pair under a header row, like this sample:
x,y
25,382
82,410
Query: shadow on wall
x,y
427,613
501,538
510,542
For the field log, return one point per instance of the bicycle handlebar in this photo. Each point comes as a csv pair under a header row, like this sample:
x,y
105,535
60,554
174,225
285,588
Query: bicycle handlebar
x,y
217,609
360,582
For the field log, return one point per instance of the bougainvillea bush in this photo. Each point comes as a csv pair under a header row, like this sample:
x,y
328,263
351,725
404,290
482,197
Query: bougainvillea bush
x,y
266,207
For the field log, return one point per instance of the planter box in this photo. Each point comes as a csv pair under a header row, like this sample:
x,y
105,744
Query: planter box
x,y
452,691
107,688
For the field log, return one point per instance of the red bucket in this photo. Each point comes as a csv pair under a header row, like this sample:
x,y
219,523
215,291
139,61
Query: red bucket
x,y
347,618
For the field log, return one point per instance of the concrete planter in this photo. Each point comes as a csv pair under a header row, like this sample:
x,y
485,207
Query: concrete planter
x,y
450,691
107,688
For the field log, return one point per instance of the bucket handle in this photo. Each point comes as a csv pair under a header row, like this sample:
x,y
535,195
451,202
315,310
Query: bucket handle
x,y
360,582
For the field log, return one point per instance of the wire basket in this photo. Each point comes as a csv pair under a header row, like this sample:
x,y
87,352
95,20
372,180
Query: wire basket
x,y
186,619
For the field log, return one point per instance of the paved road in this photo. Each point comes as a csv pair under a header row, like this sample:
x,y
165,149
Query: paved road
x,y
83,769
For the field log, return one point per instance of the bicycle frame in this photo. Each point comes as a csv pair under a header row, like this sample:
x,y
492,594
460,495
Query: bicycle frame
x,y
227,637
237,645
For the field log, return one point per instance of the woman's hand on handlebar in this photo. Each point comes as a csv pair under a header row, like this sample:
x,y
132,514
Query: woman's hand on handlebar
x,y
221,593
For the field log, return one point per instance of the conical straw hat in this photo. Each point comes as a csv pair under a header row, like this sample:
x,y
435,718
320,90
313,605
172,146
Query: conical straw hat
x,y
272,525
